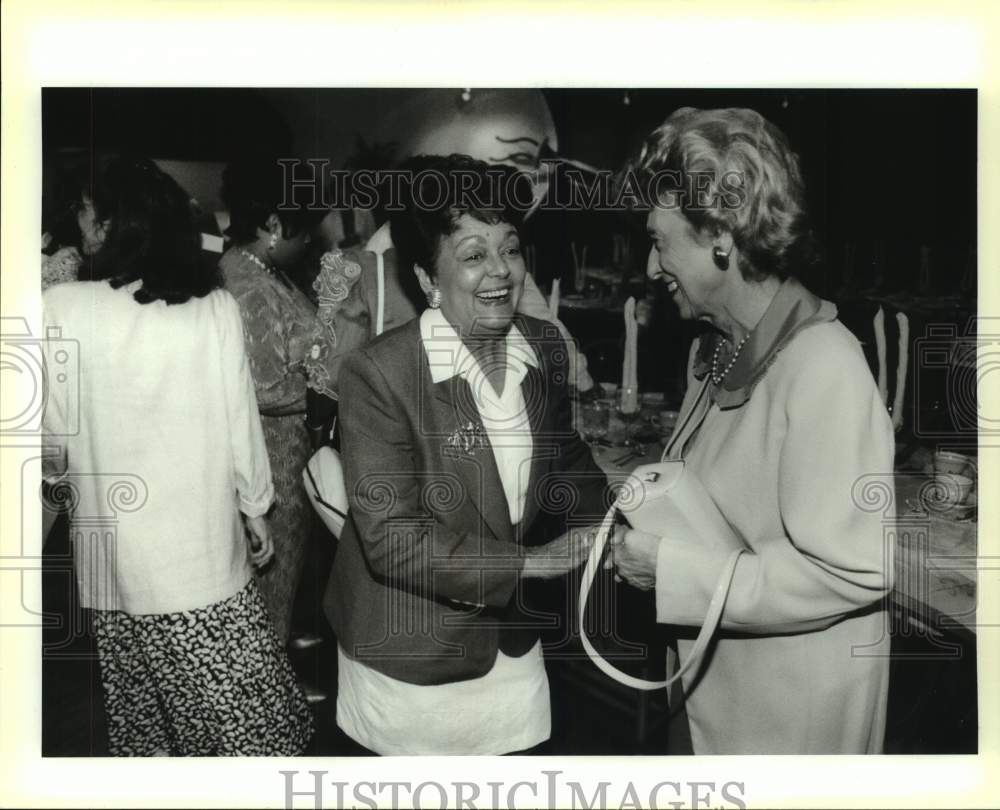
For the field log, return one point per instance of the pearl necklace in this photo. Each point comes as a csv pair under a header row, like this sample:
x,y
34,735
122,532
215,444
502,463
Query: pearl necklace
x,y
250,257
717,378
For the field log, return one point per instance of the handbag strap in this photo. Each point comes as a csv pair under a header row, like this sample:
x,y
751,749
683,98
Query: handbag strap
x,y
712,617
380,294
682,430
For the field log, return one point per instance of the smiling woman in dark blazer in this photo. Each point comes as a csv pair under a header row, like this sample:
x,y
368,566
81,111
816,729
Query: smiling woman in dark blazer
x,y
461,464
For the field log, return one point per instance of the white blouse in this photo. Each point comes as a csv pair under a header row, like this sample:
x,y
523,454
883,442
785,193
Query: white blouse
x,y
152,421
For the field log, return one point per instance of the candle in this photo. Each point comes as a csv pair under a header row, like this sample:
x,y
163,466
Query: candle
x,y
630,377
554,300
901,367
579,268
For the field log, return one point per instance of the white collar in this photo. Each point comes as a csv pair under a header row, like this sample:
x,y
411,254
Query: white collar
x,y
448,356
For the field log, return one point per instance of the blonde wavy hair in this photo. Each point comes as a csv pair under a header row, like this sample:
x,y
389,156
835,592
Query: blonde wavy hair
x,y
745,178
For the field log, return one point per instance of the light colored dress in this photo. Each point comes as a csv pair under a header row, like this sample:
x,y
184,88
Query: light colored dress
x,y
279,323
802,662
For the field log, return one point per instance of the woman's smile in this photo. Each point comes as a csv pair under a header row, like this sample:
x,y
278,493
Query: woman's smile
x,y
498,296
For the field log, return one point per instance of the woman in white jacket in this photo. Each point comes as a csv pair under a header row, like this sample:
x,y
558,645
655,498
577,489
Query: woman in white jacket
x,y
154,441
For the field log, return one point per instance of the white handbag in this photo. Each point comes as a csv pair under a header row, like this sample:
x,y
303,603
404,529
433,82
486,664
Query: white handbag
x,y
665,499
323,477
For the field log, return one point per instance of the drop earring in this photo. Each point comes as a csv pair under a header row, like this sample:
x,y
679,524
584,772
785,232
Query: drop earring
x,y
721,257
272,242
434,298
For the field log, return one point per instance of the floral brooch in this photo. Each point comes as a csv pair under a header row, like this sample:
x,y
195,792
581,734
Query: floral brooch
x,y
469,438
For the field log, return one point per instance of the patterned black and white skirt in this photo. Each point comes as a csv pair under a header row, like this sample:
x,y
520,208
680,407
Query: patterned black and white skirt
x,y
208,682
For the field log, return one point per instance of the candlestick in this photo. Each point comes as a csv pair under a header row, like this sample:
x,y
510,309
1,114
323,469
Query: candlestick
x,y
579,268
630,377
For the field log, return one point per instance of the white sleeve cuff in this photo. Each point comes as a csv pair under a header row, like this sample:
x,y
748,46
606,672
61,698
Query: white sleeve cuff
x,y
258,506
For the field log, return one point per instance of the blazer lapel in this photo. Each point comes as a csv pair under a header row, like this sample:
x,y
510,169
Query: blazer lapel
x,y
478,469
536,403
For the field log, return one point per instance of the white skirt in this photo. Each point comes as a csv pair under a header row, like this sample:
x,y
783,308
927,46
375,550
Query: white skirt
x,y
505,710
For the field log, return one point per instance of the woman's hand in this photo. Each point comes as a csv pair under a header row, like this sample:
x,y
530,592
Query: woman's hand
x,y
561,555
259,537
633,554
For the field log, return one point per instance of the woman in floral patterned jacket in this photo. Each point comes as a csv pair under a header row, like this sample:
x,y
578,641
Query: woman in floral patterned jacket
x,y
281,331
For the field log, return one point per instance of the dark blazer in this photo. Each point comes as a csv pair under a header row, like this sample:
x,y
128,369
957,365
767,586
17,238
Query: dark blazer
x,y
426,582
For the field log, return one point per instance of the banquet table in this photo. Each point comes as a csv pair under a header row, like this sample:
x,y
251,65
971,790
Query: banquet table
x,y
935,554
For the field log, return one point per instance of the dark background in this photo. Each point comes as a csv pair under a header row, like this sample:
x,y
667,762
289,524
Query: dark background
x,y
890,177
891,165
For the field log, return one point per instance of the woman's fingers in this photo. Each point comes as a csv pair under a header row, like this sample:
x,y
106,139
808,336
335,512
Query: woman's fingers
x,y
261,556
259,538
580,543
557,557
634,558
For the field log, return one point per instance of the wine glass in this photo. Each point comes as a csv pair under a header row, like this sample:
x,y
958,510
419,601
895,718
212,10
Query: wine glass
x,y
629,408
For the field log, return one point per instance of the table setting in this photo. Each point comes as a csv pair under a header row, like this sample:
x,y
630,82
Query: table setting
x,y
936,533
625,427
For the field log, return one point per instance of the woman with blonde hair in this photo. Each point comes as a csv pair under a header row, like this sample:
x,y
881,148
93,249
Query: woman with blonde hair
x,y
780,421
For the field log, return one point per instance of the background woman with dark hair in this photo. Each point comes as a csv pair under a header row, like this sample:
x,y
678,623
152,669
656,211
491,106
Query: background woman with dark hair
x,y
154,431
72,230
280,323
63,199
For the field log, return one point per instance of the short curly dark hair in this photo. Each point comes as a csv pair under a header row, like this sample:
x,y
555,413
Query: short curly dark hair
x,y
430,194
748,173
255,187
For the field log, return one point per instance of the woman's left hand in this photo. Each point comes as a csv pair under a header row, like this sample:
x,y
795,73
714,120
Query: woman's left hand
x,y
259,538
634,558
